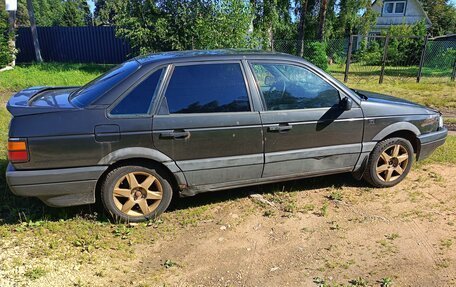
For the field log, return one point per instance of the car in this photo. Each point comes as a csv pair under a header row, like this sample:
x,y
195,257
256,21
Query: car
x,y
181,123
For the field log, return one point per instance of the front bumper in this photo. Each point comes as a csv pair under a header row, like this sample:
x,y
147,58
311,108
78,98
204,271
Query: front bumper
x,y
429,142
56,187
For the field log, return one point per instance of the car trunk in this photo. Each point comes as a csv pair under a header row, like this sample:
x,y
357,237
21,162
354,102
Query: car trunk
x,y
38,100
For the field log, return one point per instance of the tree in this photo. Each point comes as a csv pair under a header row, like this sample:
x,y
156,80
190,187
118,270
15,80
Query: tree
x,y
105,11
301,27
182,25
76,13
36,43
355,16
55,13
321,26
442,15
6,55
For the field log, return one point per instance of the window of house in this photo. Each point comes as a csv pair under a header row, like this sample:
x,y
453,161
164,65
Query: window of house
x,y
138,101
289,87
206,88
394,7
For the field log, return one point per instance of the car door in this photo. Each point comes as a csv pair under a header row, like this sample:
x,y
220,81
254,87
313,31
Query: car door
x,y
206,123
306,128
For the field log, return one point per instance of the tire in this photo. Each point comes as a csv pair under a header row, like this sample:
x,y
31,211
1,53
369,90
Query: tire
x,y
135,193
389,162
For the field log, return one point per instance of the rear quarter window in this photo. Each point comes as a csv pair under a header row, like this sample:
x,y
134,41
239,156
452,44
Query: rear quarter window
x,y
138,101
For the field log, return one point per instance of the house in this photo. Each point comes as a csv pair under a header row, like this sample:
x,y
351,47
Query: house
x,y
397,12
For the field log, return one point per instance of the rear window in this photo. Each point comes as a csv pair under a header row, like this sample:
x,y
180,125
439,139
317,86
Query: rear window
x,y
94,89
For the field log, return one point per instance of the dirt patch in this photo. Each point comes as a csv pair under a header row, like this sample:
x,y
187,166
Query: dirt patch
x,y
312,234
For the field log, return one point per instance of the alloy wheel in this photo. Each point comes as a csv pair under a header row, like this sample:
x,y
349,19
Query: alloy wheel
x,y
392,163
137,193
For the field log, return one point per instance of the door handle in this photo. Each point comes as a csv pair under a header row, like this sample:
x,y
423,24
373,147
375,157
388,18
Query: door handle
x,y
280,128
175,135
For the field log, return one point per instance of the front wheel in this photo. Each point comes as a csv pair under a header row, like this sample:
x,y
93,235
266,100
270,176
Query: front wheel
x,y
389,162
135,193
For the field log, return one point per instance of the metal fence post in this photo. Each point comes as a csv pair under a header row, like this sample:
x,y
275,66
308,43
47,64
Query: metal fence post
x,y
349,53
453,75
385,52
423,53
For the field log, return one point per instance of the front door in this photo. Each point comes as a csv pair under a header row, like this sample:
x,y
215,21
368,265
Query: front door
x,y
306,130
206,124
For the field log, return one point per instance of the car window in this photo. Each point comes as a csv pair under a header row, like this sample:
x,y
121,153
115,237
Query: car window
x,y
288,87
138,101
207,88
97,87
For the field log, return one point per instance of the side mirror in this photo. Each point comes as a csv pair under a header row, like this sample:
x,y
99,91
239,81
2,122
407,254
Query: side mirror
x,y
346,104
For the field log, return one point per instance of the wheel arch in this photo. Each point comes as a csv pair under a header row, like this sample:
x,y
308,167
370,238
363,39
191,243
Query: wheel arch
x,y
403,130
144,157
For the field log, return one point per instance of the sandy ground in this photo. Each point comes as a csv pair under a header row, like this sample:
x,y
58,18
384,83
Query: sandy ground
x,y
306,237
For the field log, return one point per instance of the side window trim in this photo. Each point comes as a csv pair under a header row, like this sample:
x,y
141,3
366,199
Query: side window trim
x,y
165,68
342,93
161,96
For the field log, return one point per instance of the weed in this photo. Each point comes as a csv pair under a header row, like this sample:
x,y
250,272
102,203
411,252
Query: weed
x,y
386,282
335,195
392,236
323,212
122,231
168,263
361,282
35,273
446,243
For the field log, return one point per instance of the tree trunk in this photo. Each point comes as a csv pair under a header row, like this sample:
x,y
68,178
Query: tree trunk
x,y
301,29
11,36
36,43
321,26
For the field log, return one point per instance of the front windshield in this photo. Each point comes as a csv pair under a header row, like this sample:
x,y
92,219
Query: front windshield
x,y
94,89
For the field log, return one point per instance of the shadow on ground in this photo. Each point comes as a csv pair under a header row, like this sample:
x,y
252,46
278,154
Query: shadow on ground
x,y
15,209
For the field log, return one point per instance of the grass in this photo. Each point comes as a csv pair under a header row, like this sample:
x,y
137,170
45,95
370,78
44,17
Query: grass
x,y
49,74
435,90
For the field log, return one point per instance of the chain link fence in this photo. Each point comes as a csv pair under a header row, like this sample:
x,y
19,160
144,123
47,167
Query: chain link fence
x,y
380,58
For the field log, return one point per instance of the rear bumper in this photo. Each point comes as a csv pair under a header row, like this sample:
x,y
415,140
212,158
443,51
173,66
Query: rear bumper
x,y
56,187
429,142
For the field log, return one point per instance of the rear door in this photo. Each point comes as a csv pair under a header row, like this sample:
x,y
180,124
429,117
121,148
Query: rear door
x,y
207,124
306,130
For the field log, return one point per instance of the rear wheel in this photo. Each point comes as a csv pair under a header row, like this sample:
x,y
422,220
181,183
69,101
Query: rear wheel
x,y
389,163
135,193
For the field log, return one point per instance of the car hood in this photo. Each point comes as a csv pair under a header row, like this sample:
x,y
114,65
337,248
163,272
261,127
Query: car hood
x,y
36,100
376,104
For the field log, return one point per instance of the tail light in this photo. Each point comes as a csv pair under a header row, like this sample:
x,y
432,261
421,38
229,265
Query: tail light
x,y
17,150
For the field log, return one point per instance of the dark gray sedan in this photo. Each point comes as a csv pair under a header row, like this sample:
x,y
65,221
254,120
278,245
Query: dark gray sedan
x,y
181,123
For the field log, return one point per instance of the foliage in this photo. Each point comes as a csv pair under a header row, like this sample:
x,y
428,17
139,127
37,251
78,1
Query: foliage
x,y
402,49
55,13
355,16
442,14
316,52
105,11
183,25
6,55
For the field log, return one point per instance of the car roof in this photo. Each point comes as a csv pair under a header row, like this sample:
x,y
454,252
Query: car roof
x,y
203,54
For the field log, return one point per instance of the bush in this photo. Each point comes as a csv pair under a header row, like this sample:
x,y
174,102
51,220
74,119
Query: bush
x,y
5,52
315,52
